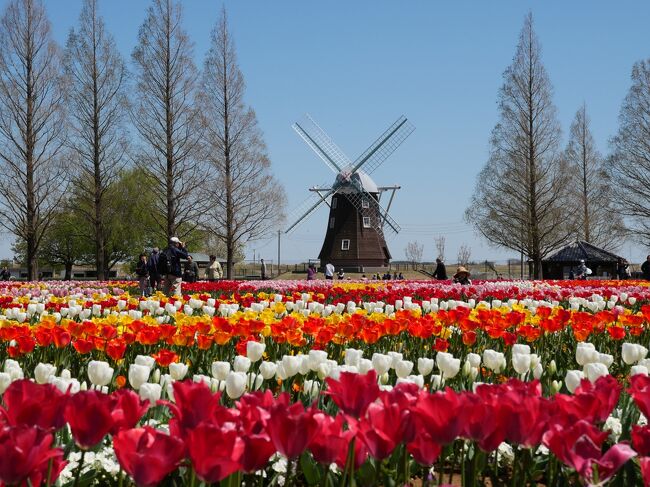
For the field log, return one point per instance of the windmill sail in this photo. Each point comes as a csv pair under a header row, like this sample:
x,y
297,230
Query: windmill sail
x,y
321,143
308,206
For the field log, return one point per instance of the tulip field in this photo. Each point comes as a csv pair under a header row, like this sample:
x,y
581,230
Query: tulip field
x,y
325,383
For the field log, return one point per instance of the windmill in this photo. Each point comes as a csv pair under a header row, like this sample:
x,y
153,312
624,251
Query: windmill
x,y
357,221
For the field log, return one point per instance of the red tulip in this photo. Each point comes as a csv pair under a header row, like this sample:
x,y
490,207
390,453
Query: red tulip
x,y
640,392
253,416
641,439
126,409
147,455
35,405
439,414
384,426
292,428
645,470
89,415
26,456
330,440
590,402
579,446
193,404
353,393
165,357
215,451
424,449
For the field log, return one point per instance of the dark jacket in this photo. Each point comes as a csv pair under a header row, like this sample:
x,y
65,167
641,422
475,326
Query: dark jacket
x,y
142,269
441,272
645,268
175,254
191,273
152,264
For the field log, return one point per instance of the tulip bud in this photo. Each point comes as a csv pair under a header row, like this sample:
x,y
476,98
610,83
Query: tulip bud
x,y
178,371
425,365
255,350
150,392
235,384
138,375
83,386
220,370
538,371
403,368
43,372
556,386
384,378
552,367
241,363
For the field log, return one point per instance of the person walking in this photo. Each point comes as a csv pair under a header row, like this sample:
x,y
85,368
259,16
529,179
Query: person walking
x,y
214,270
142,271
154,275
170,260
191,272
311,272
263,269
645,269
441,271
329,271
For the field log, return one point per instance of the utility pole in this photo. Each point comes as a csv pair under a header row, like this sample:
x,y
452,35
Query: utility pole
x,y
279,252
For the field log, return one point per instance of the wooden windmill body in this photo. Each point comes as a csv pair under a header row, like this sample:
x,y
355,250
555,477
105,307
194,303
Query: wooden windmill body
x,y
355,238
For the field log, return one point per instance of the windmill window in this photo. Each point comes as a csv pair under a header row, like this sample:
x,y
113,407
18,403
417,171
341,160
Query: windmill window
x,y
366,222
365,203
334,203
332,222
345,244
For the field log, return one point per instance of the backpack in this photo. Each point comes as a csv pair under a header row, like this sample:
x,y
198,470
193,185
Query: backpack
x,y
164,263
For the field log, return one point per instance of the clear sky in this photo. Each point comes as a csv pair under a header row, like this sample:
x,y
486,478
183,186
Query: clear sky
x,y
357,66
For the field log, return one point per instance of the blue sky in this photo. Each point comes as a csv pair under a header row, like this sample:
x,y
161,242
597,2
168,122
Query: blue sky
x,y
357,66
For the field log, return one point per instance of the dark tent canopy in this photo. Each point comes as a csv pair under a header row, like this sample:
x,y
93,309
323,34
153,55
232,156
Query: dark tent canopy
x,y
602,262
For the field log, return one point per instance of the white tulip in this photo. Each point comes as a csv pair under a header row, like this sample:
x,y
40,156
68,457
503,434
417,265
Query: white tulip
x,y
606,359
412,379
638,369
316,357
519,348
473,373
311,388
474,359
352,356
150,392
43,372
267,370
494,360
381,363
538,371
178,371
254,381
586,353
241,363
145,360
556,386
595,370
448,365
631,300
572,379
290,363
395,358
521,363
201,378
5,381
364,366
99,373
534,361
552,367
403,368
220,370
633,352
303,364
436,381
425,365
138,375
255,350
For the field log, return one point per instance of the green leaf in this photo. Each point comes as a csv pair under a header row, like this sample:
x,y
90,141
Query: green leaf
x,y
310,469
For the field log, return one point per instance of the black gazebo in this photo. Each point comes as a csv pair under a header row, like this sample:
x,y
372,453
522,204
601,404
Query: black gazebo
x,y
602,262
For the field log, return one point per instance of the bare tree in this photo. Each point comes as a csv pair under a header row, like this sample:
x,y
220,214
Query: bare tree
x,y
31,125
96,95
440,246
250,202
464,254
413,253
630,160
166,115
520,197
590,187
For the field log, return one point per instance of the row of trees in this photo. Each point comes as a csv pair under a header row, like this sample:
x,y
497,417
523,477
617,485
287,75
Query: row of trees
x,y
72,178
534,195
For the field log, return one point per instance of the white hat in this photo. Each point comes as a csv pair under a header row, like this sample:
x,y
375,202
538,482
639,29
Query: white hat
x,y
175,240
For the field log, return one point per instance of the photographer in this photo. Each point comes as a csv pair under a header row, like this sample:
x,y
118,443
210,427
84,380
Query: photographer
x,y
170,263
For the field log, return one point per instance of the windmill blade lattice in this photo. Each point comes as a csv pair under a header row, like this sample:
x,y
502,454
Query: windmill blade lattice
x,y
322,144
357,198
308,206
384,146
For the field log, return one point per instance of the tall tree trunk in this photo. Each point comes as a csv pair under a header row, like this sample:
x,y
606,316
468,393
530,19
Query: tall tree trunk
x,y
68,271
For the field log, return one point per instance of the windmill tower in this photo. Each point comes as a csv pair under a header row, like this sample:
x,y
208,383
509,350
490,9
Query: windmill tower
x,y
354,239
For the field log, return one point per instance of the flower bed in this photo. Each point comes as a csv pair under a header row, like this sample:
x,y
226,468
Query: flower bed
x,y
326,383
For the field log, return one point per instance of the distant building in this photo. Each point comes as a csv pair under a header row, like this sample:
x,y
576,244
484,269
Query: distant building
x,y
601,262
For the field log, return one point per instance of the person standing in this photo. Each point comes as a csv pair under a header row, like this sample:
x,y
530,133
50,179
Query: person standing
x,y
622,271
441,271
263,269
4,274
645,269
329,271
311,272
142,271
191,272
583,270
462,276
173,254
154,275
214,270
